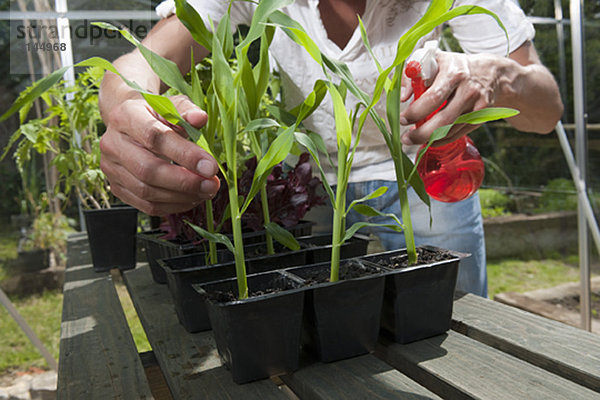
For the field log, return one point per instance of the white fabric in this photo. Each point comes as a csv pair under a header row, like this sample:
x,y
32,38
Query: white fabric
x,y
385,21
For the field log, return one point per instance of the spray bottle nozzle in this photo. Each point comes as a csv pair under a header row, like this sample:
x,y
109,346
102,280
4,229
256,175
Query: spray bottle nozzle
x,y
421,68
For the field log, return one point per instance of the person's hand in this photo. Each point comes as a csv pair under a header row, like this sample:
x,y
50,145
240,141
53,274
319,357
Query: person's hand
x,y
467,82
151,166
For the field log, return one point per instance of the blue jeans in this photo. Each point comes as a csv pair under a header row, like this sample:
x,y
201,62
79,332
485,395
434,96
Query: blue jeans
x,y
455,226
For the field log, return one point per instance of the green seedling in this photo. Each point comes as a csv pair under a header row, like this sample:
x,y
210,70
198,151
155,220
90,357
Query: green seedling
x,y
437,13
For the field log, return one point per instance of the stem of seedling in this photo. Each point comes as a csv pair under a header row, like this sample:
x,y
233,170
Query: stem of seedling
x,y
266,218
338,232
236,218
210,227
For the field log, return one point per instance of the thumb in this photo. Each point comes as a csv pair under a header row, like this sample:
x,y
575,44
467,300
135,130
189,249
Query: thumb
x,y
189,111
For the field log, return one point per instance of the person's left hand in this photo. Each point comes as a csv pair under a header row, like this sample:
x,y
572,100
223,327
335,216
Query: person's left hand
x,y
467,82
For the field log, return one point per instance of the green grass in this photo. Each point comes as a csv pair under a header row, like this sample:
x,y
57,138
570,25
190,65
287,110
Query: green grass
x,y
522,276
43,314
8,247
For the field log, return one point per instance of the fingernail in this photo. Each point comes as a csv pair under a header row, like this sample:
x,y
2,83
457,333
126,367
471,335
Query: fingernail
x,y
209,186
403,121
406,140
206,168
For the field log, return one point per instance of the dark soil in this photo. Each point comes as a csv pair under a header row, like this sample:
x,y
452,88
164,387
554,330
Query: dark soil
x,y
349,269
424,256
276,285
571,303
219,296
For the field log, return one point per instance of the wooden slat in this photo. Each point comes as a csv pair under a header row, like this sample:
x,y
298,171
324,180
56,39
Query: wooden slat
x,y
189,362
364,377
567,351
457,367
545,309
98,357
78,249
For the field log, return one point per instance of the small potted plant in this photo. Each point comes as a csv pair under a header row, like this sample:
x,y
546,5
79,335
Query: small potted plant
x,y
69,130
44,243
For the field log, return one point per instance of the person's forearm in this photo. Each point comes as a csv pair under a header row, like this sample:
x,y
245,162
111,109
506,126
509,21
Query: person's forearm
x,y
532,90
114,91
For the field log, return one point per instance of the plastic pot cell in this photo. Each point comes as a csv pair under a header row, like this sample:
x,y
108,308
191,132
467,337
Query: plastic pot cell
x,y
341,318
256,337
418,299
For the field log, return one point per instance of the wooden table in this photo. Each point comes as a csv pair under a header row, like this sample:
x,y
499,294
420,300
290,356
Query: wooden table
x,y
493,351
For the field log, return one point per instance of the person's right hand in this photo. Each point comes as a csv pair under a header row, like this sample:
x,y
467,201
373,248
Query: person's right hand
x,y
151,166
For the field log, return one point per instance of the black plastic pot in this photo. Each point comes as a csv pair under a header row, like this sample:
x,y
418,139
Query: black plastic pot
x,y
31,260
158,248
418,299
184,271
341,319
260,336
112,236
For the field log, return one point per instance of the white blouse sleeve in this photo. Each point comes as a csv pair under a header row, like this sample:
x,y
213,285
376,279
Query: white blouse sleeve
x,y
241,11
480,33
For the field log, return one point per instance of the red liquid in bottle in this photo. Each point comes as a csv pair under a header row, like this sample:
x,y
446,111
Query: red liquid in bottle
x,y
452,172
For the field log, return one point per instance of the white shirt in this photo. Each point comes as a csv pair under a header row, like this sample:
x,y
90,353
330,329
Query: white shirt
x,y
385,22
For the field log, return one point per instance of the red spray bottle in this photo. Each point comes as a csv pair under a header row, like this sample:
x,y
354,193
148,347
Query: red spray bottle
x,y
454,171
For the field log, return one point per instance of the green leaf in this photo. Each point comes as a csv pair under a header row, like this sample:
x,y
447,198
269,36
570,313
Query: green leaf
x,y
163,106
197,94
194,23
262,71
365,39
373,195
222,75
295,31
225,34
277,152
359,225
369,211
262,13
37,89
282,115
393,109
283,236
312,101
309,143
342,122
248,84
165,69
213,237
486,115
261,124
